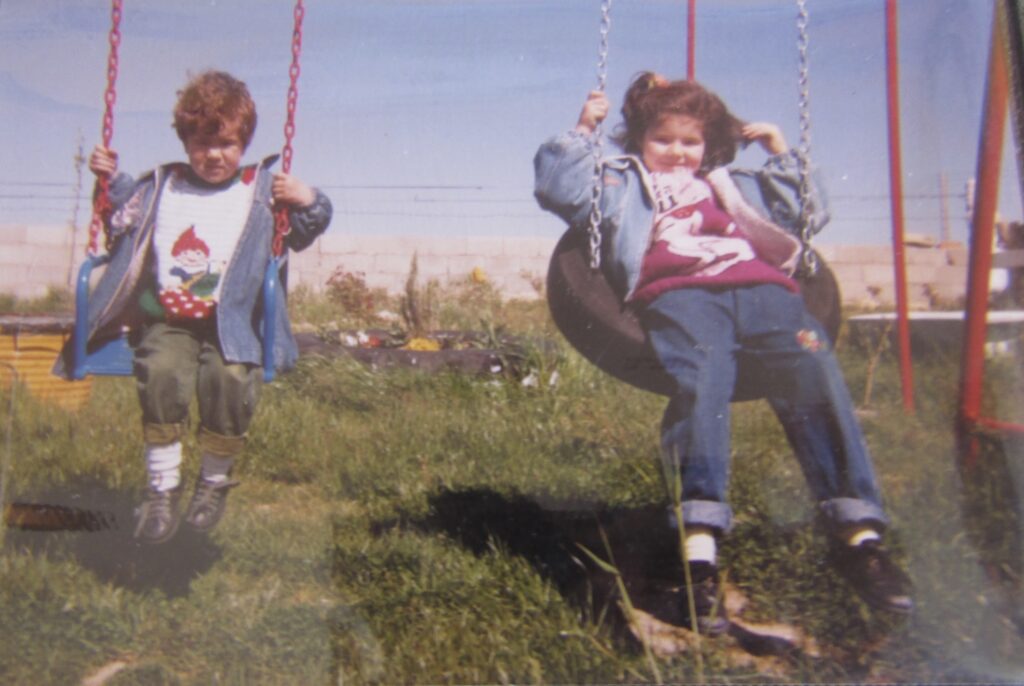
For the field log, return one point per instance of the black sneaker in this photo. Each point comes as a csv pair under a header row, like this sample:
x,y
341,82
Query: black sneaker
x,y
157,518
876,578
707,600
208,503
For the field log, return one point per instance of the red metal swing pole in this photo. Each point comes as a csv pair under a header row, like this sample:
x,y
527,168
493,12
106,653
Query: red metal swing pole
x,y
691,39
990,148
896,203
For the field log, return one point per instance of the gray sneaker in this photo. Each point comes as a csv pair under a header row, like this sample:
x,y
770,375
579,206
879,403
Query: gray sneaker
x,y
157,518
208,503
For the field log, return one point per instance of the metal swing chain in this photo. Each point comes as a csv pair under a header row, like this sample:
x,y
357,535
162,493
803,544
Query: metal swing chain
x,y
101,205
808,258
594,229
282,227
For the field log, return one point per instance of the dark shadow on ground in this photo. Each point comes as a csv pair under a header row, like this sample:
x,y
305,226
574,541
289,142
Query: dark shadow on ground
x,y
992,470
92,524
640,542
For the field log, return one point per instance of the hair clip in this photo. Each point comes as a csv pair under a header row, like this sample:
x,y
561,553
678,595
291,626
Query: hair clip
x,y
657,81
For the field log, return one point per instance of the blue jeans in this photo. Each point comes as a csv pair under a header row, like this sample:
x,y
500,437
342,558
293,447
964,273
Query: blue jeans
x,y
757,341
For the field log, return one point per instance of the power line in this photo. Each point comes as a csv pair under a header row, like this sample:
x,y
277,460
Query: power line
x,y
400,187
37,183
418,199
525,190
885,196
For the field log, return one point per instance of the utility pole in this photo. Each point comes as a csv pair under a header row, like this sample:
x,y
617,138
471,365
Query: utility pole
x,y
946,236
79,161
969,200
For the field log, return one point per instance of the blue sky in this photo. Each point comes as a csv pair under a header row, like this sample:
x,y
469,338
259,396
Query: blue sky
x,y
422,116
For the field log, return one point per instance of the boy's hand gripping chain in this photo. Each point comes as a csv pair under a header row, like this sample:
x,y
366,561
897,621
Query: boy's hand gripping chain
x,y
101,206
594,230
281,225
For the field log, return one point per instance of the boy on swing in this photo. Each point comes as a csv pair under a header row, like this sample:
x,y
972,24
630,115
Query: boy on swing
x,y
190,245
710,277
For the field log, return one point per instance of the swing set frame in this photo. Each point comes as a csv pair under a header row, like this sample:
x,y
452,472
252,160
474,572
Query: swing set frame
x,y
612,339
627,356
1005,78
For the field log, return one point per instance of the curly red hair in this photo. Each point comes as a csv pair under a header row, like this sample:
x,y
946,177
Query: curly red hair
x,y
212,103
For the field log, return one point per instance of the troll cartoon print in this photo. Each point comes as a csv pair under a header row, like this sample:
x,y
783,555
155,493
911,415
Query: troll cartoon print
x,y
193,296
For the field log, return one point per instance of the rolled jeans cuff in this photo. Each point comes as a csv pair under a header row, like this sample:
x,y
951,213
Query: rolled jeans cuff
x,y
842,512
218,444
709,513
162,434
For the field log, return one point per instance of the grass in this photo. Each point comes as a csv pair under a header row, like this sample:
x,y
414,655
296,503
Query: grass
x,y
55,300
409,528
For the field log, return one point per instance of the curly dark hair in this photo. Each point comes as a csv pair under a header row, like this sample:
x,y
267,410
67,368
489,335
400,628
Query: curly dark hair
x,y
211,102
650,97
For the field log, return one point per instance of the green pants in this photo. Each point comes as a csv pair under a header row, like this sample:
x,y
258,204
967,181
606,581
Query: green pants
x,y
175,362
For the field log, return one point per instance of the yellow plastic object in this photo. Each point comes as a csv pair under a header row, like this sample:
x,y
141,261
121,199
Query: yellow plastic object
x,y
478,275
32,355
422,344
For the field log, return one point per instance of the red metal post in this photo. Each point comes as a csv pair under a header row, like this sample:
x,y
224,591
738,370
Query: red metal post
x,y
691,39
896,203
990,148
999,425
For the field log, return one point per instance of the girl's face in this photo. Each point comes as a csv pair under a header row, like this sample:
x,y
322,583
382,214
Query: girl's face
x,y
675,141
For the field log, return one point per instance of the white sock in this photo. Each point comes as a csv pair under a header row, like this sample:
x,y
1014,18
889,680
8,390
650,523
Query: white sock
x,y
861,534
216,467
163,462
700,544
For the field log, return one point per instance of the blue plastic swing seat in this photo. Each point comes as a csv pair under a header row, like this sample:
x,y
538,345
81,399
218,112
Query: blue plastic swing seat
x,y
114,357
271,279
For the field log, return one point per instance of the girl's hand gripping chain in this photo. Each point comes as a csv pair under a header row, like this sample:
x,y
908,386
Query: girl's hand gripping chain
x,y
595,109
768,135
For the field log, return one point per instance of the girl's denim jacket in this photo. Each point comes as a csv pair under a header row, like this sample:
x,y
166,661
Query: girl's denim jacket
x,y
240,310
564,177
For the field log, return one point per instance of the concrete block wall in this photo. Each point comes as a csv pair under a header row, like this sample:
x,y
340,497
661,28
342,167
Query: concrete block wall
x,y
512,264
866,274
35,258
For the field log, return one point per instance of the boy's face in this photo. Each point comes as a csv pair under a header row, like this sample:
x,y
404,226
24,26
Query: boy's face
x,y
215,157
676,140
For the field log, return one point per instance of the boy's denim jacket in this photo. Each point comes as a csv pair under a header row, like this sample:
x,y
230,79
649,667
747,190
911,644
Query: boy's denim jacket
x,y
239,312
564,173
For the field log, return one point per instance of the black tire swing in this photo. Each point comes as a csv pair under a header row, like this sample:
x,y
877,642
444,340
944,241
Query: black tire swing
x,y
593,317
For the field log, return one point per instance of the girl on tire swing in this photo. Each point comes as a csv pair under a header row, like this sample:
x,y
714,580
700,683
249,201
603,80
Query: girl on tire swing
x,y
710,278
